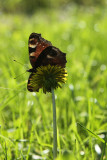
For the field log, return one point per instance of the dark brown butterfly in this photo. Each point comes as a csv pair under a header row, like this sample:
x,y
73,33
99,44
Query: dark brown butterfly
x,y
42,53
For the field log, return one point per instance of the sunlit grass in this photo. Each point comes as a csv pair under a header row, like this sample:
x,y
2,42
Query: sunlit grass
x,y
26,118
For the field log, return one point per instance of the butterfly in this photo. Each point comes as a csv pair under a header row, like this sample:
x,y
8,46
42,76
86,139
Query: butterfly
x,y
42,53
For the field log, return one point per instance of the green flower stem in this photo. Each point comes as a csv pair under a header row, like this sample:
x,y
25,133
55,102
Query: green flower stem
x,y
54,126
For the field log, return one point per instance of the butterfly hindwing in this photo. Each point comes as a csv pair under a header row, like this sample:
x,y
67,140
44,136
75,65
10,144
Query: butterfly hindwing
x,y
51,55
31,86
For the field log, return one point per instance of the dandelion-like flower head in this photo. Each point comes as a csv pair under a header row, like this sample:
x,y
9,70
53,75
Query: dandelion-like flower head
x,y
47,77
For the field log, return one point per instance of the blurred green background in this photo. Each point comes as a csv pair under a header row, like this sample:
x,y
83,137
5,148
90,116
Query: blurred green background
x,y
78,28
29,7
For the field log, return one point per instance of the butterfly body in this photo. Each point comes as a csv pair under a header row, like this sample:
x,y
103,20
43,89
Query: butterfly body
x,y
42,53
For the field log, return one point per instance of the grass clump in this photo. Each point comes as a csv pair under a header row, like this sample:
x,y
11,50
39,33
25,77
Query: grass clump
x,y
25,119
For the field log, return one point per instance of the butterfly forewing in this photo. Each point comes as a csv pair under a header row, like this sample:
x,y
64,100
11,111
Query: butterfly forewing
x,y
36,45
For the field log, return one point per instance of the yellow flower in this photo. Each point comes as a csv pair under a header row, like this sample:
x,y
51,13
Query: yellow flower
x,y
47,77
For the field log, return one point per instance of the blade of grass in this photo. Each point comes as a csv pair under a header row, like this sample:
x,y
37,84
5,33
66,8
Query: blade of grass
x,y
104,147
93,134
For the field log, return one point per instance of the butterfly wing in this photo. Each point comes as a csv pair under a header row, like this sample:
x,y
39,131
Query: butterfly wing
x,y
42,53
51,55
29,86
36,45
32,86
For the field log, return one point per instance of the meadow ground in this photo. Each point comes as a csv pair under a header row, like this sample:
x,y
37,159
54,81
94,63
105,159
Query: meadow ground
x,y
26,118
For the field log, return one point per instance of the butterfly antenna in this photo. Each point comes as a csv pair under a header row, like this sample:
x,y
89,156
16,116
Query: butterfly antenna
x,y
21,64
20,75
18,62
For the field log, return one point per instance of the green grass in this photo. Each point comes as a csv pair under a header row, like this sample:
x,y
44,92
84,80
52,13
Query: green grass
x,y
26,118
